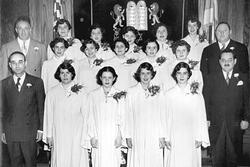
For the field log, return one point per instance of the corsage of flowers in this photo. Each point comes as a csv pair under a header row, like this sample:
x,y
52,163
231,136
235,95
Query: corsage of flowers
x,y
161,60
118,95
136,49
153,90
194,86
130,61
98,62
28,85
70,41
76,88
192,63
105,46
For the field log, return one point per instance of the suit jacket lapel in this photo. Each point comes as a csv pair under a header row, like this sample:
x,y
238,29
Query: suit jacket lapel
x,y
24,86
18,46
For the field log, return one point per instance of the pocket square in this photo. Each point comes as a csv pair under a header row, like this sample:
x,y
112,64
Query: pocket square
x,y
240,83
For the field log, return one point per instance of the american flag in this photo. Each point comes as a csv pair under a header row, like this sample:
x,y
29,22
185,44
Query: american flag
x,y
58,11
210,19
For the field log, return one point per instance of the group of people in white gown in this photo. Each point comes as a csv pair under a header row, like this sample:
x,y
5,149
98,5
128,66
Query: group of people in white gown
x,y
102,97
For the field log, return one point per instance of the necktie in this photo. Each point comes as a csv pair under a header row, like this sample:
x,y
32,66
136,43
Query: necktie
x,y
24,48
18,83
227,78
223,47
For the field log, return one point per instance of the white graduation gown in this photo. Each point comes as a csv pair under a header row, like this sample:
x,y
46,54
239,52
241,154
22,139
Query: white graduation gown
x,y
104,120
124,71
185,123
72,52
49,69
64,117
195,77
143,125
196,48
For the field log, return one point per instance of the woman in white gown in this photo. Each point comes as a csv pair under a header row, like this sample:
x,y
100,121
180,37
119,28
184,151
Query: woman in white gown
x,y
89,67
186,123
161,34
64,115
97,34
123,66
63,30
143,124
181,49
160,64
196,40
130,34
105,108
58,45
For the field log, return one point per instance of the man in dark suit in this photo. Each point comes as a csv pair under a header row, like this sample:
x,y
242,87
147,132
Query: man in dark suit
x,y
34,51
226,96
211,54
22,112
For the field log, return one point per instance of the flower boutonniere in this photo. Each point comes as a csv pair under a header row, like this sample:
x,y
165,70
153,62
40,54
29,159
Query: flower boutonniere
x,y
105,46
98,62
130,61
194,86
136,49
118,95
161,60
36,48
232,48
236,75
76,88
70,41
240,83
154,89
28,85
192,63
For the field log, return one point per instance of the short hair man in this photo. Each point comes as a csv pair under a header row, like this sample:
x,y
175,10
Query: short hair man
x,y
211,54
227,104
34,51
22,109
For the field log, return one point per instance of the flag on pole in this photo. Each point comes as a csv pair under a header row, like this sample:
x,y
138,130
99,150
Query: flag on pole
x,y
58,11
210,18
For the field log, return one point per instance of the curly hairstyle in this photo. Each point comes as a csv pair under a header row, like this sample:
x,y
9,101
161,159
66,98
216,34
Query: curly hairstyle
x,y
89,41
62,21
178,67
147,66
122,40
65,65
56,41
106,69
176,44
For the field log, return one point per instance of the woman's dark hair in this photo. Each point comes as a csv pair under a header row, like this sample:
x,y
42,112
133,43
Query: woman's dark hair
x,y
178,67
129,28
153,39
146,66
154,30
176,44
97,26
106,69
62,21
65,65
122,40
56,41
194,19
88,41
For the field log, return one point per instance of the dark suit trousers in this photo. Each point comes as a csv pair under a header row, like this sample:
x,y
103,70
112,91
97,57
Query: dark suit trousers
x,y
22,153
223,151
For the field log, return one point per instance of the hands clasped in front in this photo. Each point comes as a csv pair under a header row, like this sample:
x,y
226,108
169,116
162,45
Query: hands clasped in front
x,y
117,142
